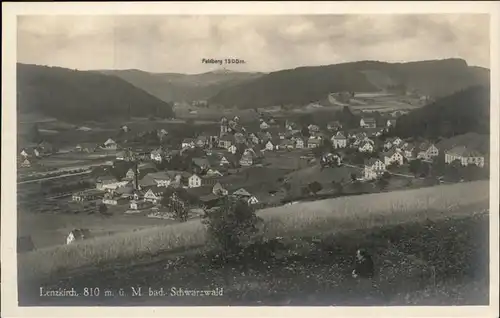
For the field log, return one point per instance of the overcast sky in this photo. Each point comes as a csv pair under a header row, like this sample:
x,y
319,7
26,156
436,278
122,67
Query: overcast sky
x,y
266,43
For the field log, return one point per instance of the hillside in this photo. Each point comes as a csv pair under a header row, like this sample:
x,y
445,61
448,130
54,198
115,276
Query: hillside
x,y
174,87
303,85
81,95
467,111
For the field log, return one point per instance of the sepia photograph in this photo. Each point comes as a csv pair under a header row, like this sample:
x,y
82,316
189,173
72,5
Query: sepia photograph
x,y
310,159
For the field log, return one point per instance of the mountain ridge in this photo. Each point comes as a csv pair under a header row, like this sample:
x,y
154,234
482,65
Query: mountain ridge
x,y
306,84
82,95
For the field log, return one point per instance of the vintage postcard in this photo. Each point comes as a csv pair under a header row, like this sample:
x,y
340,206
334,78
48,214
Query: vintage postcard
x,y
264,159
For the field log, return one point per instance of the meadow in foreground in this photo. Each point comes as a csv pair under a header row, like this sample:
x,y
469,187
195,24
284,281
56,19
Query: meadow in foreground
x,y
442,262
318,219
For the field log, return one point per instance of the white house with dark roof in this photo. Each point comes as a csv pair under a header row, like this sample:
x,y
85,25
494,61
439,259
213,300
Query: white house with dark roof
x,y
219,190
313,142
194,181
374,168
365,146
270,145
226,141
188,143
394,155
154,194
241,193
110,144
232,149
78,235
391,123
299,143
465,156
367,123
263,125
339,140
427,151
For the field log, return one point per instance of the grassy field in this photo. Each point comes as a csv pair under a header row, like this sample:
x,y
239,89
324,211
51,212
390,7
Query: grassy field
x,y
440,262
317,218
50,229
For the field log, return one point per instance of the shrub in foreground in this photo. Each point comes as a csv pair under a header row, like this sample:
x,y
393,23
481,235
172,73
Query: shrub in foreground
x,y
233,226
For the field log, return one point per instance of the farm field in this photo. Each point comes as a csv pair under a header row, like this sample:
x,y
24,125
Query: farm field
x,y
319,218
412,261
50,229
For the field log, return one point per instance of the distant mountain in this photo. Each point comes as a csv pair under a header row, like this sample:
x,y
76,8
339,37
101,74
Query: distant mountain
x,y
82,95
175,87
303,85
466,111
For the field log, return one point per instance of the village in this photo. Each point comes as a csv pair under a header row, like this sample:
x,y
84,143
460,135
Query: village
x,y
272,162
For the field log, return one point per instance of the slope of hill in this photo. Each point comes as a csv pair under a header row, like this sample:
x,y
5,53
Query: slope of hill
x,y
479,142
81,95
463,112
183,87
303,85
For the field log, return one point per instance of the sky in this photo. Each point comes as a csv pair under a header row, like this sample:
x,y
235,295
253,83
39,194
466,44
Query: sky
x,y
266,43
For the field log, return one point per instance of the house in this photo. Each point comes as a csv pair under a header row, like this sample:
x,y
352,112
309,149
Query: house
x,y
339,140
313,142
194,181
313,129
373,168
157,155
394,155
113,199
263,125
110,144
224,161
78,235
331,159
241,193
24,153
254,139
25,163
201,163
393,142
391,123
287,144
408,151
159,179
124,128
299,143
202,141
86,147
367,123
139,205
110,183
188,143
154,194
246,159
45,148
270,145
232,149
226,141
465,156
427,151
87,195
219,190
334,126
252,200
290,125
213,173
365,146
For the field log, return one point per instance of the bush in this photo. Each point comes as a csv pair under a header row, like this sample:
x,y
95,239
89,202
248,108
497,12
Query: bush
x,y
232,226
